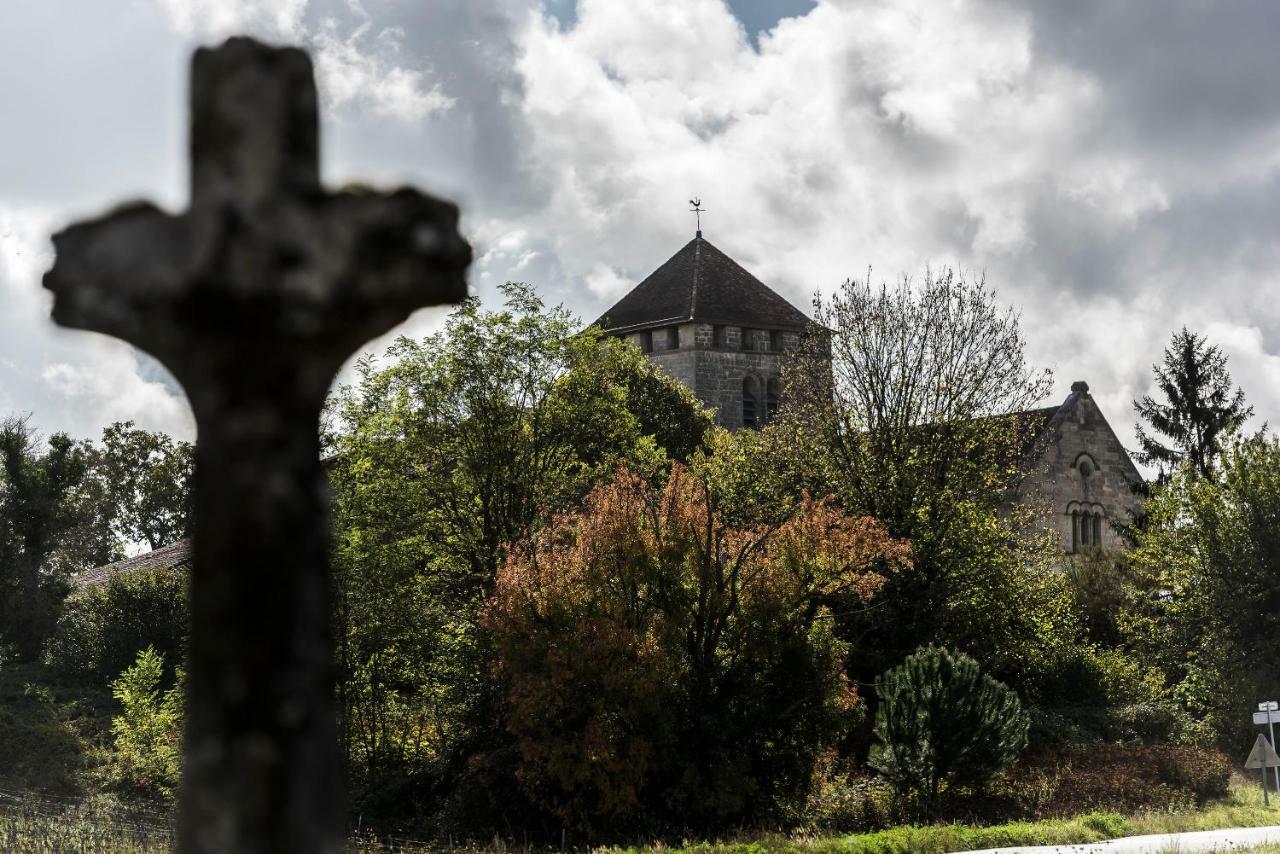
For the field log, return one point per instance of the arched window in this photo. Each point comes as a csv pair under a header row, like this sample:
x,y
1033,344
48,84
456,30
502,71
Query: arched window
x,y
1085,465
773,390
750,396
1086,526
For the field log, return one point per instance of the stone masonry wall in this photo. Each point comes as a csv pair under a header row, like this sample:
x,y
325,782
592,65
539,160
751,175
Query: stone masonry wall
x,y
1081,464
715,371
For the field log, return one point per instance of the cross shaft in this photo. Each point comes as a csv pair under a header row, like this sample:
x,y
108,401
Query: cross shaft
x,y
253,298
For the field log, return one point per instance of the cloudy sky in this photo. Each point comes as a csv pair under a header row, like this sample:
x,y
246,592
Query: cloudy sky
x,y
1112,167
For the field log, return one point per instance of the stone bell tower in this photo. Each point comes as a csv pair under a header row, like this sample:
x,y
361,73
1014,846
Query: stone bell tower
x,y
715,327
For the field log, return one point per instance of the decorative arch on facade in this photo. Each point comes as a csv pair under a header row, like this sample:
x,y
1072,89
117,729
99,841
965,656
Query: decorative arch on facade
x,y
750,402
1086,525
773,391
1086,465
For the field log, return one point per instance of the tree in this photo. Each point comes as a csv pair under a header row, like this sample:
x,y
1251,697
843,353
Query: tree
x,y
443,453
1199,410
103,628
909,400
51,524
1209,561
147,480
664,669
147,734
941,721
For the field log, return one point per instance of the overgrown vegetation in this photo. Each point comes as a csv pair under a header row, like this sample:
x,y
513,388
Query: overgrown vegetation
x,y
566,602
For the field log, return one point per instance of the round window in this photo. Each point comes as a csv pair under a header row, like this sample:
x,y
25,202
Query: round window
x,y
1086,468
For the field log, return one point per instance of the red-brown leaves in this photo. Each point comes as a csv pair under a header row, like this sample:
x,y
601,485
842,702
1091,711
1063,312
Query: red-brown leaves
x,y
623,630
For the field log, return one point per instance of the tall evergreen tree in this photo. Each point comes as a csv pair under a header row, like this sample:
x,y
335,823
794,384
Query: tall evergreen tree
x,y
1199,409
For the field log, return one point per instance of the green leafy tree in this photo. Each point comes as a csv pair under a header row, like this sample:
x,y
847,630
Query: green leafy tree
x,y
1209,560
664,669
1198,412
941,721
443,453
906,405
146,754
51,524
103,628
147,481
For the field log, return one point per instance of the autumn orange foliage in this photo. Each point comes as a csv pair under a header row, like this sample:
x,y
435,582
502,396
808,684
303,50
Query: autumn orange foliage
x,y
665,670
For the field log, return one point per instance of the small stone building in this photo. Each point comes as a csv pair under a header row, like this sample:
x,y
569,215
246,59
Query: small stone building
x,y
715,327
1080,480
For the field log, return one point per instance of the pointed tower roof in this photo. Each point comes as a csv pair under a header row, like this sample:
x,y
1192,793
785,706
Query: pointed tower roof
x,y
702,284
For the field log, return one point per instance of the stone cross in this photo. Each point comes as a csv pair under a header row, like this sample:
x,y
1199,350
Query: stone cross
x,y
253,298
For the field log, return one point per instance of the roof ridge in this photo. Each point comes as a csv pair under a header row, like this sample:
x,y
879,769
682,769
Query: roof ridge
x,y
697,269
700,283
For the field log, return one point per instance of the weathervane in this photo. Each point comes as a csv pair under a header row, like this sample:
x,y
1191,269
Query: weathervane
x,y
697,208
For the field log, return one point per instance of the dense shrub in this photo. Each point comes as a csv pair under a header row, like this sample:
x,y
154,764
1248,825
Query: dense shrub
x,y
1107,695
664,670
147,734
941,721
846,798
1130,779
103,629
1058,784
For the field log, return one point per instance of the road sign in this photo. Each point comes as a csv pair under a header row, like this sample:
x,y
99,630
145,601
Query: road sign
x,y
1267,714
1263,754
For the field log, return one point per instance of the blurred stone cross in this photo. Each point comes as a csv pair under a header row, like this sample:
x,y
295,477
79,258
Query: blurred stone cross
x,y
253,298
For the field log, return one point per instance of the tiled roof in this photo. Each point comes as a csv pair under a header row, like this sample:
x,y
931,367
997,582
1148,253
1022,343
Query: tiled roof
x,y
174,556
702,284
1033,423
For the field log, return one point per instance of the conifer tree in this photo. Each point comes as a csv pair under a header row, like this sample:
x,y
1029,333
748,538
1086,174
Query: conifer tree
x,y
942,721
1199,408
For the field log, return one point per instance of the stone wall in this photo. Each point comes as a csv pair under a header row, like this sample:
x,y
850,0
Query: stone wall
x,y
1081,465
713,361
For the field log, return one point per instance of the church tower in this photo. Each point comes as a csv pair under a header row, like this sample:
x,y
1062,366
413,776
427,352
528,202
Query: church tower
x,y
715,327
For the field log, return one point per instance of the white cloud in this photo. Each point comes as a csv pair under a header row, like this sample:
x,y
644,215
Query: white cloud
x,y
607,284
353,68
280,19
68,380
355,62
1111,178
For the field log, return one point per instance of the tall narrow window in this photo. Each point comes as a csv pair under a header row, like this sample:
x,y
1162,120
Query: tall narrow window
x,y
646,341
748,339
772,389
775,341
1097,529
1076,541
750,417
718,337
673,336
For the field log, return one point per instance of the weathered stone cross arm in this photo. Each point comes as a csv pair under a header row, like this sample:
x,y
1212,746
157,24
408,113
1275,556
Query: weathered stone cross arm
x,y
253,298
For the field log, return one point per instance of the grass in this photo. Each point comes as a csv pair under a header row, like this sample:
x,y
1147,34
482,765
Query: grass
x,y
40,825
1242,808
36,827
